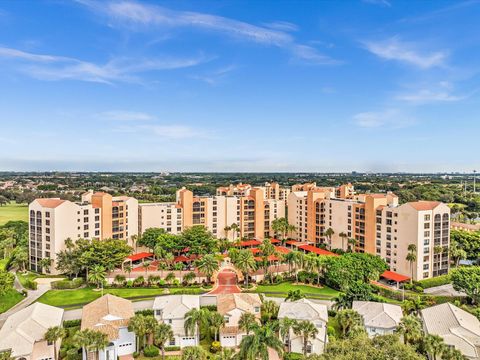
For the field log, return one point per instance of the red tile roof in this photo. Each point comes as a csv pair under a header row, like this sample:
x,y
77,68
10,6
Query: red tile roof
x,y
139,256
269,258
424,205
316,250
282,249
50,203
255,250
181,258
248,243
390,275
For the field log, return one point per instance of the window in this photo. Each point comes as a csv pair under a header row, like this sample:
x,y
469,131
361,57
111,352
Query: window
x,y
257,309
427,217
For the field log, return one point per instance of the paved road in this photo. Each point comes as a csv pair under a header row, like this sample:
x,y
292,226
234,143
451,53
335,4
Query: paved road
x,y
226,283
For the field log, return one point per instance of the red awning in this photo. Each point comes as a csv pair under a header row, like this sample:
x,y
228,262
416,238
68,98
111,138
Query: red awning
x,y
282,249
296,243
391,275
139,256
275,241
316,250
255,250
248,243
181,258
269,258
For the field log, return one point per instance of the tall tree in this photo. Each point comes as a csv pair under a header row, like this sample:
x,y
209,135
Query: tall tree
x,y
216,322
467,279
286,325
256,345
247,322
91,341
350,323
269,311
194,353
411,329
195,319
54,334
245,262
97,275
307,330
434,345
343,236
163,334
208,264
411,258
329,233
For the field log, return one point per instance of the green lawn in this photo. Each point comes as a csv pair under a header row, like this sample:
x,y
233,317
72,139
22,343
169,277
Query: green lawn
x,y
285,287
74,298
13,211
24,277
8,300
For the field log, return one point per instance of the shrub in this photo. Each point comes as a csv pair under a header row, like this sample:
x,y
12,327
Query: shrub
x,y
139,281
151,351
172,348
146,312
71,323
30,284
435,281
215,347
331,331
136,354
67,284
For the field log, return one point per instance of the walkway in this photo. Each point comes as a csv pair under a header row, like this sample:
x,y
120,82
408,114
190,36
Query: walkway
x,y
226,283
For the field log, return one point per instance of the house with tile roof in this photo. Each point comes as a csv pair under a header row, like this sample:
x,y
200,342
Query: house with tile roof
x,y
231,307
23,332
306,310
378,318
457,328
171,309
110,315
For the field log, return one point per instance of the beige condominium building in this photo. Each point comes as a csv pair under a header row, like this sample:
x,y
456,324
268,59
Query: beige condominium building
x,y
97,215
378,224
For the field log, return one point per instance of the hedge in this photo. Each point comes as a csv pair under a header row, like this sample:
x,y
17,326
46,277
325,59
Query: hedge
x,y
67,284
72,323
172,348
435,281
151,351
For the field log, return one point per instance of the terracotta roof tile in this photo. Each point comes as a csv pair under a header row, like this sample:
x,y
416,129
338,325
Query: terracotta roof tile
x,y
424,205
51,202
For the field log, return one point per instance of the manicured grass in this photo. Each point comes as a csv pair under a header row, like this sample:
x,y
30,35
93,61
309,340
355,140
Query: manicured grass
x,y
8,300
74,298
285,287
25,277
12,212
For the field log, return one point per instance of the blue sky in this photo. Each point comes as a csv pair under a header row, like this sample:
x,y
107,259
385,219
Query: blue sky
x,y
372,85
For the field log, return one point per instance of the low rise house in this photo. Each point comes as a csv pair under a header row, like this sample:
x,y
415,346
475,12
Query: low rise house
x,y
231,307
378,318
306,310
110,315
23,332
171,310
457,327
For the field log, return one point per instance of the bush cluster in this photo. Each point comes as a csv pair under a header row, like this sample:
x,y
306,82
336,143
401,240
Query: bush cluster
x,y
151,351
68,284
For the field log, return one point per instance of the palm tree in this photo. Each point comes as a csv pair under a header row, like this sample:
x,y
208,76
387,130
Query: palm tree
x,y
169,257
328,233
150,327
343,236
216,321
226,354
170,278
307,330
457,253
128,269
194,319
247,322
410,328
434,345
294,295
193,353
6,355
414,305
163,333
285,326
97,275
450,353
269,310
91,340
145,266
54,334
138,325
291,229
227,229
245,262
290,258
45,264
189,277
256,345
349,322
411,257
299,261
351,244
235,228
208,264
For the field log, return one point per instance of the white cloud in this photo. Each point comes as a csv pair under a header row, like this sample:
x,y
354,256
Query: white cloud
x,y
282,26
144,16
375,119
51,67
395,49
378,2
427,96
214,77
122,115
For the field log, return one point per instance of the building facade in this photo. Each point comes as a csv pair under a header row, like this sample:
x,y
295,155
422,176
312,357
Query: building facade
x,y
378,225
98,215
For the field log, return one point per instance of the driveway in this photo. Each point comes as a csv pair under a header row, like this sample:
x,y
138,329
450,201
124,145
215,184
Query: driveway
x,y
226,283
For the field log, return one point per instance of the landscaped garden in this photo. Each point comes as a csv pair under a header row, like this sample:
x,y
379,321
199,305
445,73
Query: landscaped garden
x,y
284,288
9,299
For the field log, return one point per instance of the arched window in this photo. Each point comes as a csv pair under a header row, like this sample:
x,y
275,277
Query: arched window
x,y
445,217
438,217
32,213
